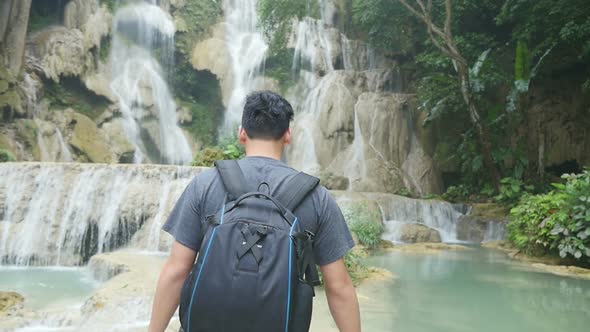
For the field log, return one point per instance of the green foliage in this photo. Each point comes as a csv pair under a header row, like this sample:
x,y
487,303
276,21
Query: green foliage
x,y
71,93
110,4
522,62
276,19
6,156
366,223
459,193
198,91
557,222
228,148
208,156
197,16
355,266
387,25
278,66
105,49
511,190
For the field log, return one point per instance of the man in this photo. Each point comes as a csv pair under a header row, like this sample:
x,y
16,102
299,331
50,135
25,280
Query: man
x,y
265,132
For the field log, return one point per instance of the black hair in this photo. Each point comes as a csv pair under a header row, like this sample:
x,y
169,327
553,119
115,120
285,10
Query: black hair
x,y
266,115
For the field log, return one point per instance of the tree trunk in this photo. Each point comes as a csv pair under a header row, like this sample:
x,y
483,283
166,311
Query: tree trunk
x,y
15,34
484,137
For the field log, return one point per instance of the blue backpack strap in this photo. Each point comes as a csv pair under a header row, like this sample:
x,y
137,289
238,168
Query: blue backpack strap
x,y
296,190
233,178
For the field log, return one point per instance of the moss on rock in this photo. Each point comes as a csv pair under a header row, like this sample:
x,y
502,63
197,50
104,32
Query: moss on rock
x,y
26,133
198,16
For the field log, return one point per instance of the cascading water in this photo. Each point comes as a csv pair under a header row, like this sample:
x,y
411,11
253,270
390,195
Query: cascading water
x,y
398,211
138,82
61,214
247,50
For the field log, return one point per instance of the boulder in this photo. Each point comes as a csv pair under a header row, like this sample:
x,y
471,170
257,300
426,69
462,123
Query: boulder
x,y
60,51
118,142
88,139
10,302
418,233
334,182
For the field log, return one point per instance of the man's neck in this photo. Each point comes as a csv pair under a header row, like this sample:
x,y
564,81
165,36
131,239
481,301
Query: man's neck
x,y
264,149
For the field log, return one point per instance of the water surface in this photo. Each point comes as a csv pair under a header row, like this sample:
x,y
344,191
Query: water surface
x,y
46,286
478,290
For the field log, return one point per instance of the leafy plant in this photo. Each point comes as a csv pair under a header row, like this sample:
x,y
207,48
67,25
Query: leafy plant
x,y
459,193
228,148
365,223
511,190
6,156
557,222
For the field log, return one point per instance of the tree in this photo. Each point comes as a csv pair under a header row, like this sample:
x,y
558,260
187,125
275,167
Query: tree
x,y
443,39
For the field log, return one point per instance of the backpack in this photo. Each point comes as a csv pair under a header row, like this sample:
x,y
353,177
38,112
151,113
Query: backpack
x,y
255,271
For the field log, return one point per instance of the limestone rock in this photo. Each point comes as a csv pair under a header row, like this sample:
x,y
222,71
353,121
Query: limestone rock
x,y
14,21
429,248
10,302
212,54
418,233
334,182
118,141
77,12
60,51
184,115
99,84
87,139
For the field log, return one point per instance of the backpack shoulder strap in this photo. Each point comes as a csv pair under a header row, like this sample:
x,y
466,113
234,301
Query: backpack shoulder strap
x,y
297,189
232,177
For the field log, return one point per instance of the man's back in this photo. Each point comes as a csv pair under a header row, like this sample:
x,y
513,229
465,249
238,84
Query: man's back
x,y
318,213
264,132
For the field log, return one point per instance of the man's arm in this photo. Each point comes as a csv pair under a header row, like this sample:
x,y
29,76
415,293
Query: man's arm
x,y
170,285
341,296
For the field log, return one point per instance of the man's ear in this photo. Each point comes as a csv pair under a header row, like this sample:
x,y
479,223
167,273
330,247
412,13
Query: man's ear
x,y
243,137
287,138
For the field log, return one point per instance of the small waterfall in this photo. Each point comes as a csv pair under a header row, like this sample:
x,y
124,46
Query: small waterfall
x,y
61,214
438,215
31,87
357,168
65,154
138,82
247,49
496,231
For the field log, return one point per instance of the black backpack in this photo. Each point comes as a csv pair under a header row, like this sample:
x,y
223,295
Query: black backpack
x,y
255,271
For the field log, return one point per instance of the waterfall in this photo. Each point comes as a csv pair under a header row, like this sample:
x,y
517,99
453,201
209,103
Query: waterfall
x,y
356,170
247,50
496,231
438,215
61,214
138,82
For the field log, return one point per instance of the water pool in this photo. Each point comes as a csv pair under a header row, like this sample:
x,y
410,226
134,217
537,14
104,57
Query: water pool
x,y
477,290
42,287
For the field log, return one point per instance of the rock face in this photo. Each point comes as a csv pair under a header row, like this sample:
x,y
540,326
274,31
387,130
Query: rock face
x,y
484,223
14,20
368,137
418,233
10,302
213,55
87,139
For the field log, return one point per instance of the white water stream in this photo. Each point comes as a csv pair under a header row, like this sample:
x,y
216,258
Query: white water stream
x,y
139,83
247,50
61,214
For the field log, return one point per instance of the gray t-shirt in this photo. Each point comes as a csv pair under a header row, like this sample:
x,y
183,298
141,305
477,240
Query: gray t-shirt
x,y
318,213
